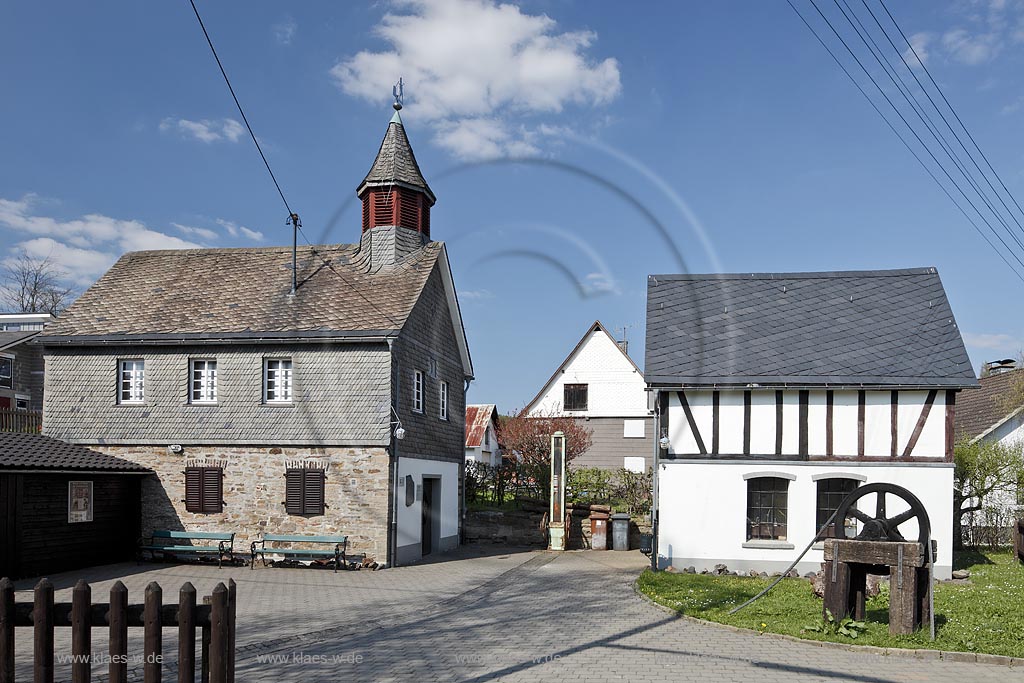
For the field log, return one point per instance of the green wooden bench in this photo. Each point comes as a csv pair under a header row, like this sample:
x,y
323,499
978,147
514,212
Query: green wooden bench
x,y
259,548
168,542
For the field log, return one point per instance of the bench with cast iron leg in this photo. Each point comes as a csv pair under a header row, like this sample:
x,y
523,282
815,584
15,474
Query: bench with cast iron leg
x,y
337,553
169,543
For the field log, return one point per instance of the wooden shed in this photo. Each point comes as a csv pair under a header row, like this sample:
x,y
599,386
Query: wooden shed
x,y
64,507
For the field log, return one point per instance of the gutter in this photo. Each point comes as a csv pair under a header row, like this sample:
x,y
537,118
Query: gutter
x,y
19,471
375,336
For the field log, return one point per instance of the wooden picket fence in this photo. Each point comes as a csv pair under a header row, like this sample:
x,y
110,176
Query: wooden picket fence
x,y
215,618
20,421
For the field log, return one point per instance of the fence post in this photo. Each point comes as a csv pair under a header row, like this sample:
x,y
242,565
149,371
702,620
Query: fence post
x,y
205,664
81,632
219,634
42,622
118,620
152,645
6,630
232,598
187,633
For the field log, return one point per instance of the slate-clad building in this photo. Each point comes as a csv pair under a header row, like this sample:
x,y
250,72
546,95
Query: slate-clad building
x,y
204,362
63,506
780,393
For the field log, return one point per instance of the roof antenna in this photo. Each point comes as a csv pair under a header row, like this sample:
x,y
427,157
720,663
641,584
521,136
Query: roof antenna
x,y
293,220
398,90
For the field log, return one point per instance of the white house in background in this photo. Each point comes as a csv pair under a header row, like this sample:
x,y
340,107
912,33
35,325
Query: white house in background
x,y
482,434
599,383
781,393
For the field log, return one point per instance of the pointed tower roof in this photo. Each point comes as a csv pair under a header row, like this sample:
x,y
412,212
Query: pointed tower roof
x,y
395,163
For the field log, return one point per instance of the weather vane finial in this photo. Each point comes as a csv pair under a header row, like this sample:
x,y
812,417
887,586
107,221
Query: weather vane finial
x,y
398,90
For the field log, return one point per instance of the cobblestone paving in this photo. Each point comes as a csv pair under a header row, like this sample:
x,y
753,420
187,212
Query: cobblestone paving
x,y
528,616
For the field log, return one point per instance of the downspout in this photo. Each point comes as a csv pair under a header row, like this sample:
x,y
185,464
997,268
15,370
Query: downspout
x,y
462,467
654,480
392,540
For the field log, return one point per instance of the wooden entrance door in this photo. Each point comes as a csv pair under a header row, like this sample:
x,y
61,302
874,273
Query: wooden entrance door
x,y
427,525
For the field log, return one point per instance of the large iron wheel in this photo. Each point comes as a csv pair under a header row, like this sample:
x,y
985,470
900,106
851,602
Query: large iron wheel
x,y
881,527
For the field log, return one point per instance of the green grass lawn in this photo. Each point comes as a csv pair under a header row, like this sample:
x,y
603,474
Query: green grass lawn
x,y
985,616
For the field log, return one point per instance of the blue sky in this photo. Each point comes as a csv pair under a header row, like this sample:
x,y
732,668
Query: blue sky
x,y
721,132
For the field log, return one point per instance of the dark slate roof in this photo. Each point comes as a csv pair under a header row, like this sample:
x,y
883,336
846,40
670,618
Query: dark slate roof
x,y
38,452
996,399
890,327
244,293
9,339
395,163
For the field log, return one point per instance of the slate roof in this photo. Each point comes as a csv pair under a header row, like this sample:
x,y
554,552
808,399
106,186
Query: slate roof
x,y
395,163
244,293
38,452
860,328
982,409
9,339
477,419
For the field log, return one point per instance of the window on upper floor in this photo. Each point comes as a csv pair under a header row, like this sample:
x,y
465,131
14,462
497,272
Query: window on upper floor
x,y
131,381
417,391
767,508
831,493
204,381
6,372
575,397
304,491
277,380
442,411
204,489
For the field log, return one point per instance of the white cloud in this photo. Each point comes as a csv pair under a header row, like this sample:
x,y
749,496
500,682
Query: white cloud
x,y
474,67
971,49
919,42
284,30
600,283
201,233
83,247
234,229
476,294
206,130
993,342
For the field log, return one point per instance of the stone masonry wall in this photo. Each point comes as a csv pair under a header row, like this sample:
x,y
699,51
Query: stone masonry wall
x,y
356,493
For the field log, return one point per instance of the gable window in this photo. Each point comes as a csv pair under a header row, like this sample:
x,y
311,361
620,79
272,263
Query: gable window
x,y
831,493
417,391
204,489
767,508
204,381
277,380
443,411
575,397
304,491
132,380
6,372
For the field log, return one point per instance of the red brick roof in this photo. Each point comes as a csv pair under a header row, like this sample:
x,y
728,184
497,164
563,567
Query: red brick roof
x,y
978,410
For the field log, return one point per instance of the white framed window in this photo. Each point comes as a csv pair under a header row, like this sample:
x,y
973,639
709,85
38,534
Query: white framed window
x,y
204,381
131,381
277,380
417,391
6,371
443,400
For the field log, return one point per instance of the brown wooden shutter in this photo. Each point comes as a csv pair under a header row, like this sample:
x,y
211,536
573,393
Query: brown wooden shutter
x,y
313,487
293,491
213,489
304,491
194,489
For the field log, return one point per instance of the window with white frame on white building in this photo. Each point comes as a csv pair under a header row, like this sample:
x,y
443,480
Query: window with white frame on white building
x,y
131,381
204,381
277,380
417,391
443,398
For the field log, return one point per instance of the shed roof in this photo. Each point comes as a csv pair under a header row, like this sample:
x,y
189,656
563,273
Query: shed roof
x,y
477,419
21,451
997,399
855,328
9,339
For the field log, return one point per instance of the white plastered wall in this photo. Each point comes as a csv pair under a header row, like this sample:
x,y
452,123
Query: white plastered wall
x,y
409,518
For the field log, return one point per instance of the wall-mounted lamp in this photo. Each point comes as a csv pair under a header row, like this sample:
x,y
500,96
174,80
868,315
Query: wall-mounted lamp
x,y
400,431
664,442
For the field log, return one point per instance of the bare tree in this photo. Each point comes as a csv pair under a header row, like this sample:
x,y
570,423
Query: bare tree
x,y
34,286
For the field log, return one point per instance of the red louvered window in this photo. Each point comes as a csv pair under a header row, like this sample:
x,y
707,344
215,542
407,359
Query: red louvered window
x,y
204,489
366,214
425,217
383,208
304,491
409,208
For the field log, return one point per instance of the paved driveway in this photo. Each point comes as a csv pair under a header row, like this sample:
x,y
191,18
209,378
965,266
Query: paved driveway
x,y
527,616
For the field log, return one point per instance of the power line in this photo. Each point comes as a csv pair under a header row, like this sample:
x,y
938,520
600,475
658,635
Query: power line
x,y
240,111
911,129
903,140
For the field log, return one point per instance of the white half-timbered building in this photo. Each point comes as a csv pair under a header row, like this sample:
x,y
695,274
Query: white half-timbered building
x,y
780,393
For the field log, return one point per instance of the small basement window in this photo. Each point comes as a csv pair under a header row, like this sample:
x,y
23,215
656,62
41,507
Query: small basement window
x,y
575,397
767,508
204,489
304,491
